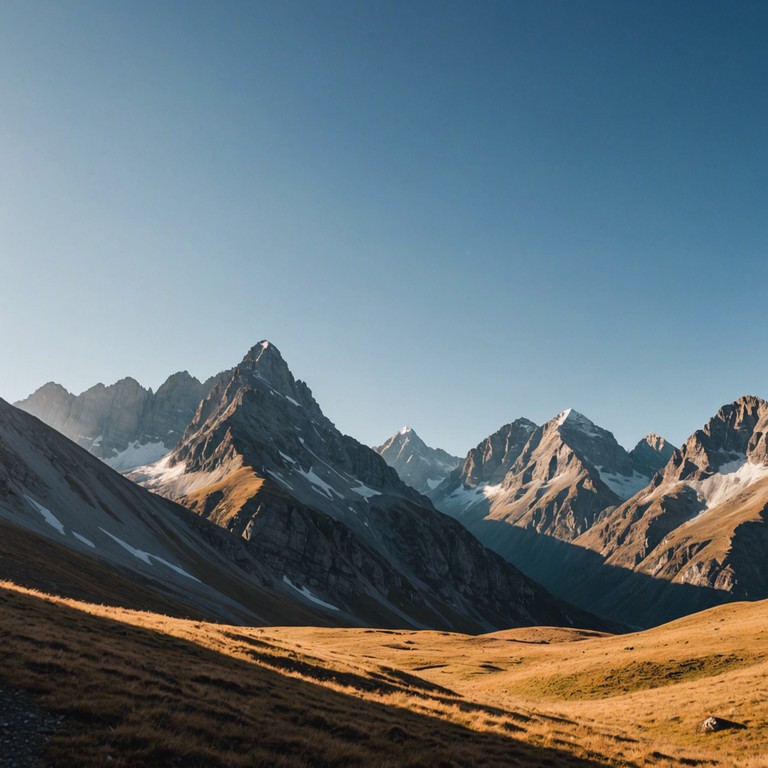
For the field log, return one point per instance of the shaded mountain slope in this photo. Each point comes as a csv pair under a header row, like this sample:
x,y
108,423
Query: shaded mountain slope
x,y
133,542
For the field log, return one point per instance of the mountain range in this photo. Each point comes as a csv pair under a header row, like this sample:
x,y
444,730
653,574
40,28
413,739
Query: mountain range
x,y
405,534
124,424
297,508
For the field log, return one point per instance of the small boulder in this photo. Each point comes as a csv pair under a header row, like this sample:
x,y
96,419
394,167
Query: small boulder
x,y
715,724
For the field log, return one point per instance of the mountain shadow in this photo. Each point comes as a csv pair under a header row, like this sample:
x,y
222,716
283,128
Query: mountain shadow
x,y
582,577
137,696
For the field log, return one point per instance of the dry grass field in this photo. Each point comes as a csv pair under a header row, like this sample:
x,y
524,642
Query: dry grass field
x,y
145,689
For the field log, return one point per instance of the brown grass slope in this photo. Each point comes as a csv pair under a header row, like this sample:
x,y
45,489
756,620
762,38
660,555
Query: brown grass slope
x,y
147,689
140,689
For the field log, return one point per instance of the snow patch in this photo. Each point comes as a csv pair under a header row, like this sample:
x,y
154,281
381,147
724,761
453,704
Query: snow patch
x,y
48,516
287,458
624,486
280,479
137,455
434,483
729,480
80,537
145,556
319,484
291,400
365,491
306,593
578,421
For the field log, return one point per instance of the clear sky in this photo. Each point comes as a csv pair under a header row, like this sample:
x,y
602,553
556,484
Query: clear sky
x,y
446,214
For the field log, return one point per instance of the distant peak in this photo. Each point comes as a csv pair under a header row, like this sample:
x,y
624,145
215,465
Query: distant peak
x,y
656,443
52,386
573,419
264,350
404,430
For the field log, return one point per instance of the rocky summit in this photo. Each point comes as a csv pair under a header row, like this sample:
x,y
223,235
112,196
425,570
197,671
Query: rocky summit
x,y
262,460
418,465
124,424
651,454
555,480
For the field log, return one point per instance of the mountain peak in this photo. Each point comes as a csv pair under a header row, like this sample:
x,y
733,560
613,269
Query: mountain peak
x,y
50,388
656,442
262,349
418,465
264,361
575,420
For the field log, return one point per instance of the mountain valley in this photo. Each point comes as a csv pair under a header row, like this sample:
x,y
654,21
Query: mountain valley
x,y
290,560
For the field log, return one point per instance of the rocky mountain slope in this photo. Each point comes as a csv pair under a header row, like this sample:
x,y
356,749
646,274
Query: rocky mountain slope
x,y
418,465
556,480
651,454
700,523
261,460
123,424
528,492
135,548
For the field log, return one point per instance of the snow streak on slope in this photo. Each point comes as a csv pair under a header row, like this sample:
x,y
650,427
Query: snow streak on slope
x,y
624,486
313,598
731,478
137,455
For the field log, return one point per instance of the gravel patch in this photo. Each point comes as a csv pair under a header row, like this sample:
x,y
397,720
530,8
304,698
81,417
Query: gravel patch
x,y
24,729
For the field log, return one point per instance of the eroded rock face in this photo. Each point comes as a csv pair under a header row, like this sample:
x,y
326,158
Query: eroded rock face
x,y
651,454
123,424
494,458
556,480
702,520
261,459
418,465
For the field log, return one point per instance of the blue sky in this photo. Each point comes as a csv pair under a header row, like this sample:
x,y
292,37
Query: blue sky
x,y
444,214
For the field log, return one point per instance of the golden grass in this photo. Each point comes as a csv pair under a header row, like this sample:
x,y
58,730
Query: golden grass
x,y
230,495
147,689
144,689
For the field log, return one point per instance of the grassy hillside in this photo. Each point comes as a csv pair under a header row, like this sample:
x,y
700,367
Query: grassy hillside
x,y
146,689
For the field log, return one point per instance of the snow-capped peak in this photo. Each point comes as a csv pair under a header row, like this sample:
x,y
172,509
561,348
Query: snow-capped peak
x,y
404,430
576,420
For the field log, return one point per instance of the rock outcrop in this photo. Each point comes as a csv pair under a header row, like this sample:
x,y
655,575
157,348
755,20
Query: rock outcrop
x,y
555,480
